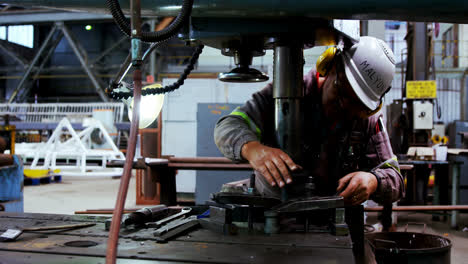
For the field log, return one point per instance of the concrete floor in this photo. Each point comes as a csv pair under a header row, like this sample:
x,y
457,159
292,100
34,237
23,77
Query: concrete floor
x,y
79,194
76,194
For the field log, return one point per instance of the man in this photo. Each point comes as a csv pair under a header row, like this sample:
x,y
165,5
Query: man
x,y
346,146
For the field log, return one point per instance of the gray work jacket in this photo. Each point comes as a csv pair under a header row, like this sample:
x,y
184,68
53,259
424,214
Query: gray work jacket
x,y
254,121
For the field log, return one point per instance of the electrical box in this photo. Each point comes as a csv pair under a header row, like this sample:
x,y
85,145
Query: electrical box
x,y
422,115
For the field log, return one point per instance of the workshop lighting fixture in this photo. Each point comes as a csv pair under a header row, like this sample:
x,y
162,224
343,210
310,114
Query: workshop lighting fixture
x,y
88,27
150,107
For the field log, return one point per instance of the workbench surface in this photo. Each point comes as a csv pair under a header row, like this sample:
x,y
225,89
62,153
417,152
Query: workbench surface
x,y
140,246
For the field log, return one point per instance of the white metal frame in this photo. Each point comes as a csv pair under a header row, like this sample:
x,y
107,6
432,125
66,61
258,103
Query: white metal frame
x,y
77,147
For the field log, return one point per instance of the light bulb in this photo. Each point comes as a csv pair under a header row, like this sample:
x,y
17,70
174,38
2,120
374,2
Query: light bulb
x,y
150,107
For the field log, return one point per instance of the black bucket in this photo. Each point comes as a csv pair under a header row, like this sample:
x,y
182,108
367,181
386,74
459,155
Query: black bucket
x,y
409,247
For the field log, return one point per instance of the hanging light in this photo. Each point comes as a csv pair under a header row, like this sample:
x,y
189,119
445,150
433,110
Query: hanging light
x,y
150,106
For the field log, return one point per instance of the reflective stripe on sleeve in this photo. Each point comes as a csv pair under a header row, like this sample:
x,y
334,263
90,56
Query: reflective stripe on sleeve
x,y
250,123
390,163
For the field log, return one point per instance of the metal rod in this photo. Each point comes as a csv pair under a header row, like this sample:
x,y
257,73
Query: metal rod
x,y
124,182
188,166
455,194
152,66
58,76
127,64
64,68
13,56
33,62
406,167
149,52
195,75
111,253
82,60
126,211
419,208
58,227
207,166
135,11
199,160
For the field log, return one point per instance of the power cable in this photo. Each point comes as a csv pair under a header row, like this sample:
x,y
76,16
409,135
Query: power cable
x,y
166,89
153,36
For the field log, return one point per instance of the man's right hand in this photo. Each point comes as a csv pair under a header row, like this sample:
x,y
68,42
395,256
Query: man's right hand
x,y
272,163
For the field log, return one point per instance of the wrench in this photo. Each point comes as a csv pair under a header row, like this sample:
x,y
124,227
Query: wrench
x,y
172,225
166,220
183,226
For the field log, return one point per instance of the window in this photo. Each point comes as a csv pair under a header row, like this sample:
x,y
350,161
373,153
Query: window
x,y
395,32
447,38
450,47
394,25
22,35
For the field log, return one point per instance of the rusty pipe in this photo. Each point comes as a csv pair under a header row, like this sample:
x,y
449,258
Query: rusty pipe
x,y
112,243
209,166
419,208
110,211
199,160
111,252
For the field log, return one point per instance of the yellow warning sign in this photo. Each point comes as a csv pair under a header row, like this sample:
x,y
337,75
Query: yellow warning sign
x,y
421,89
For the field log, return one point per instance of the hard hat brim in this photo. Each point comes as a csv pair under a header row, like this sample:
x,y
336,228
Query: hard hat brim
x,y
357,83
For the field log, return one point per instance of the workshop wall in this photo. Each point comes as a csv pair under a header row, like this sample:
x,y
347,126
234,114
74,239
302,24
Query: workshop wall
x,y
179,135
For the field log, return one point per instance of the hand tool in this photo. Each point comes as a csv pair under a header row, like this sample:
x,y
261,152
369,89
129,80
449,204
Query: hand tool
x,y
184,211
176,228
171,225
145,215
13,234
141,216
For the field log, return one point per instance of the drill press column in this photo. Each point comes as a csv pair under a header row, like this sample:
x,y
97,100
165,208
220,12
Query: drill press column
x,y
288,93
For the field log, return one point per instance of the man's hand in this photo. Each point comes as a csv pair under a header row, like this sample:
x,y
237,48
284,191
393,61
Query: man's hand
x,y
356,187
272,163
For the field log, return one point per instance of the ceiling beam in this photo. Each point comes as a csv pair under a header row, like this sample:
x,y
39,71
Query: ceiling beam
x,y
404,10
36,17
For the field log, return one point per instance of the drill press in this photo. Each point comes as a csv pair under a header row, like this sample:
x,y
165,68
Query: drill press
x,y
287,38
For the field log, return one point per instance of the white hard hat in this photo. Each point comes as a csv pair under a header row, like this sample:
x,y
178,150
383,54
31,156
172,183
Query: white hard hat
x,y
369,67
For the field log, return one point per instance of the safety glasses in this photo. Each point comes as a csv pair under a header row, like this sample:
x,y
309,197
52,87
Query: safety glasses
x,y
346,99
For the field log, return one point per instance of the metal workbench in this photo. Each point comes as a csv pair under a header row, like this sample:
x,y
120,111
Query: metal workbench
x,y
140,246
455,183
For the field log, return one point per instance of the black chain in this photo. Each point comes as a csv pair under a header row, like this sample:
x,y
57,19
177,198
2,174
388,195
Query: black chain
x,y
168,88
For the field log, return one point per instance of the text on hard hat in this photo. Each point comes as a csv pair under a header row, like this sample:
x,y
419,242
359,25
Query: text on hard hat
x,y
371,74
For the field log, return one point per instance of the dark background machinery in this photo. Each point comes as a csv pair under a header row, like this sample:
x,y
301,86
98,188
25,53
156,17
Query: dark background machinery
x,y
457,131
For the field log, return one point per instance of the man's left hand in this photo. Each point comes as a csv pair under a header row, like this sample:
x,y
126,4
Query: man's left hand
x,y
356,187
